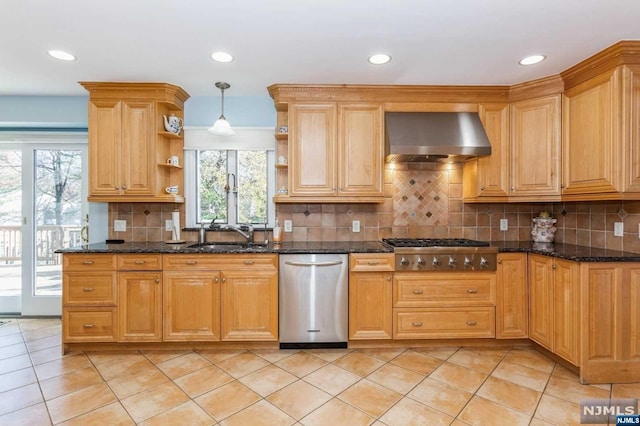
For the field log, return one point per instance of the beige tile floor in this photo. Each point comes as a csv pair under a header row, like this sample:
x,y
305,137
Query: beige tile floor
x,y
408,386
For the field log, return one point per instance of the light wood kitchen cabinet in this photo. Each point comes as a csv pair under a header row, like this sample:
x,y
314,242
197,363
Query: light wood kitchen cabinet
x,y
610,323
444,305
370,296
512,314
601,136
249,297
89,298
140,297
128,146
534,169
554,290
336,152
487,177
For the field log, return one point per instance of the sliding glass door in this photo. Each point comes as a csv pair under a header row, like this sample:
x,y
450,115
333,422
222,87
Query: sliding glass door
x,y
45,210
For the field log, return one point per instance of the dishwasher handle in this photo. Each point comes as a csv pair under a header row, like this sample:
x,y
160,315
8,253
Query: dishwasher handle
x,y
332,263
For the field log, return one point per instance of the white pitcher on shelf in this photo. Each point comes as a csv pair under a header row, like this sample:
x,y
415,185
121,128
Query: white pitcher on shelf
x,y
173,123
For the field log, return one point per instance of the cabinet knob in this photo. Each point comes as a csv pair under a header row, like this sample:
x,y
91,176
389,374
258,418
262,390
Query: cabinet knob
x,y
513,188
482,188
157,280
472,323
216,279
417,323
418,291
116,188
388,277
554,266
472,290
88,289
224,280
124,187
500,261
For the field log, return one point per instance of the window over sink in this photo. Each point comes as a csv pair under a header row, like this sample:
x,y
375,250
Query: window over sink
x,y
229,181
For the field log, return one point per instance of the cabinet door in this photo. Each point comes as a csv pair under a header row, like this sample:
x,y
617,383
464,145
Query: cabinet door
x,y
140,306
370,305
511,302
566,300
535,147
138,153
312,149
191,304
361,150
493,177
541,301
591,148
249,304
105,142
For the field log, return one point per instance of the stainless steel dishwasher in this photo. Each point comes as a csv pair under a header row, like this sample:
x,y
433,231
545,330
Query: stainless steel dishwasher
x,y
314,294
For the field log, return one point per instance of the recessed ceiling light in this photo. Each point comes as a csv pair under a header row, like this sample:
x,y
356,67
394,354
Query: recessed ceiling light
x,y
379,58
221,57
62,55
533,59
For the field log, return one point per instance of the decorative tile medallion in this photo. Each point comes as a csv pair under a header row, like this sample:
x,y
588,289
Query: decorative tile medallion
x,y
421,198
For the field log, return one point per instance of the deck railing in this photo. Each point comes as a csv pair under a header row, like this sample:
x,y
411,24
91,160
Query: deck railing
x,y
49,238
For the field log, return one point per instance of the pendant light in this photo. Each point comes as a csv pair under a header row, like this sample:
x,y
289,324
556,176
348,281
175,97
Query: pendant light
x,y
222,127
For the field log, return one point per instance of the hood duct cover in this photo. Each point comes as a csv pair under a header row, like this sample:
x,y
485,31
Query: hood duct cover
x,y
434,136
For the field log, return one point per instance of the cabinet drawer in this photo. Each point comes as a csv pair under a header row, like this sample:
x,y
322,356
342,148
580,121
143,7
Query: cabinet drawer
x,y
443,323
89,325
139,262
442,290
364,262
220,261
86,262
96,288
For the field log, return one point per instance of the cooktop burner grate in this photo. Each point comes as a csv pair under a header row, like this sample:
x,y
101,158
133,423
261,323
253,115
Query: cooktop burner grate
x,y
434,242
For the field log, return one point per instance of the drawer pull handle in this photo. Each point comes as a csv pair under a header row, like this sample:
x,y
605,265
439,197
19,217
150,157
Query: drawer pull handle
x,y
139,262
472,290
472,323
191,262
418,291
417,323
88,262
88,325
87,289
373,262
249,262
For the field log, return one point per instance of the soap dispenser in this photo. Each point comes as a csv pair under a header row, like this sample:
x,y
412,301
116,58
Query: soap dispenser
x,y
277,232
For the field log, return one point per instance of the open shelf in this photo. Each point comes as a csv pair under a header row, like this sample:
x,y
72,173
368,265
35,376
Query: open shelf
x,y
171,166
171,135
282,136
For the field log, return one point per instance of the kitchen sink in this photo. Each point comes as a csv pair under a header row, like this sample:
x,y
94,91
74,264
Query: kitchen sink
x,y
220,246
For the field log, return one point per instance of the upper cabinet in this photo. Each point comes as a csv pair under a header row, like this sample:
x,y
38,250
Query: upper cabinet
x,y
128,143
335,152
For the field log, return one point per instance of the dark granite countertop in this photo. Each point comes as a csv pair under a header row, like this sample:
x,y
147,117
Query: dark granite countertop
x,y
567,251
282,248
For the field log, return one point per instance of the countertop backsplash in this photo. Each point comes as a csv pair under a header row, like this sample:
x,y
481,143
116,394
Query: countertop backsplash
x,y
421,201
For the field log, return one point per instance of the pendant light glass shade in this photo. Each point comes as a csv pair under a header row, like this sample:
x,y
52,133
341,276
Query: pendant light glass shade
x,y
222,127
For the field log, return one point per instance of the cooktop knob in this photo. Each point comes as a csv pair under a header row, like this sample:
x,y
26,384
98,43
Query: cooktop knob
x,y
467,262
420,262
435,262
404,262
452,262
484,263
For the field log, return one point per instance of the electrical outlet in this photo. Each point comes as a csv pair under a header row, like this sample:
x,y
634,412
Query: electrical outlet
x,y
355,226
288,226
618,229
119,225
168,225
504,225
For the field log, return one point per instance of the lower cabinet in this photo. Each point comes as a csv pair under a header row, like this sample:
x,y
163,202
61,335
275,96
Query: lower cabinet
x,y
249,298
442,305
554,314
370,296
512,309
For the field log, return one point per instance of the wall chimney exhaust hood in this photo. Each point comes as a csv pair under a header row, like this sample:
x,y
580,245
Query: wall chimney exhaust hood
x,y
434,136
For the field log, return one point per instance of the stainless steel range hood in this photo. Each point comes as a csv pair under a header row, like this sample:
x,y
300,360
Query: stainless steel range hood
x,y
434,136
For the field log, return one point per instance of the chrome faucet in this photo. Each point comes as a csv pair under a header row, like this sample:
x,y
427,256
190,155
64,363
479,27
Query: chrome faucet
x,y
248,235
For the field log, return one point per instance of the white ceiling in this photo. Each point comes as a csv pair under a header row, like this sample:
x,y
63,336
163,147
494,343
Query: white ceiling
x,y
299,41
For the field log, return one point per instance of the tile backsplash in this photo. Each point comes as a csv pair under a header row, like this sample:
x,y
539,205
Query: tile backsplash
x,y
421,200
